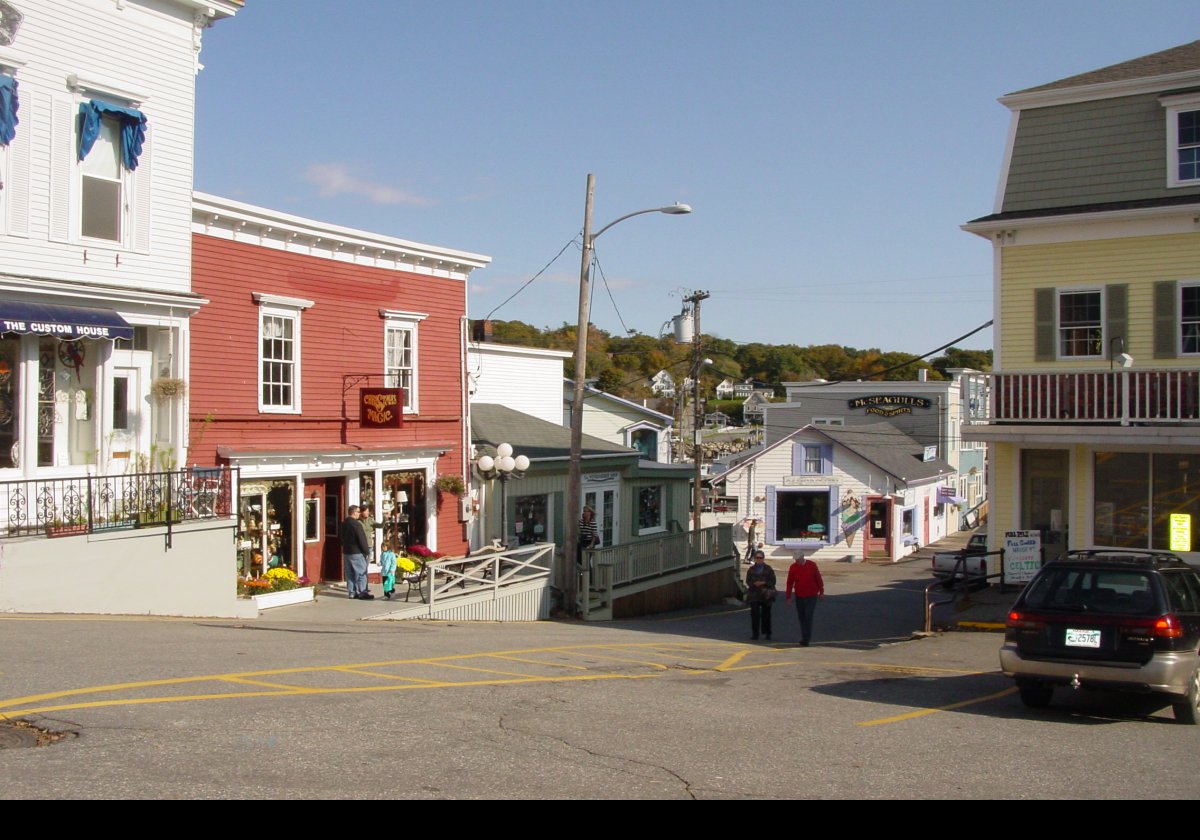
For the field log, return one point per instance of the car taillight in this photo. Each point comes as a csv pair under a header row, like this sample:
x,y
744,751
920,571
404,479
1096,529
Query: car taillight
x,y
1168,627
1023,621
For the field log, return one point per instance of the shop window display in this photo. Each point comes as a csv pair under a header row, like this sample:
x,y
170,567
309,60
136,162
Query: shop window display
x,y
531,522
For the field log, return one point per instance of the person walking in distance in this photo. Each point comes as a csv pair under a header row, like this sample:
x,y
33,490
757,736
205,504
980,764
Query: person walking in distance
x,y
355,549
804,579
760,595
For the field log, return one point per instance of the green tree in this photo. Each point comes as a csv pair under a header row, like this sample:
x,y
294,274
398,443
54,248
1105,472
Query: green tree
x,y
956,358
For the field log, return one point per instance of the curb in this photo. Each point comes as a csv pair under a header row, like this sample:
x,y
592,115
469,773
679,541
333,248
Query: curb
x,y
986,626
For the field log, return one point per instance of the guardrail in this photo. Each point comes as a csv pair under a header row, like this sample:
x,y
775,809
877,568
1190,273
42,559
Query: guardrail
x,y
961,580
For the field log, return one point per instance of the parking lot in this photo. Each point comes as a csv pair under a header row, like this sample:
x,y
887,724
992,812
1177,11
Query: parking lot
x,y
324,705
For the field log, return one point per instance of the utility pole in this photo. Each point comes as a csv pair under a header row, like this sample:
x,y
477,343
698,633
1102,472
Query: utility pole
x,y
697,407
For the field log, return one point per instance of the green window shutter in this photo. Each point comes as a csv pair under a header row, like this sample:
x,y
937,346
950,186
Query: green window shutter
x,y
1116,315
1166,319
1043,319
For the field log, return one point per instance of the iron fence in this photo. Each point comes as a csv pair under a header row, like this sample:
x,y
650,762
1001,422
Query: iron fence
x,y
89,504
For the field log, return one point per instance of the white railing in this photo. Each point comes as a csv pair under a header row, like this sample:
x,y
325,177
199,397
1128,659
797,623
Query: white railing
x,y
607,569
1116,397
669,553
452,576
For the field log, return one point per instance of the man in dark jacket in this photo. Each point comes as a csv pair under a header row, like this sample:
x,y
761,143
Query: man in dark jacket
x,y
355,549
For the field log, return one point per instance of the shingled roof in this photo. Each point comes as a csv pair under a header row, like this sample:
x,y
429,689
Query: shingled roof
x,y
1179,59
531,436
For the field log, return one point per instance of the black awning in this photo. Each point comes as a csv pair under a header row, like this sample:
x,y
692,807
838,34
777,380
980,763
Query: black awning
x,y
65,322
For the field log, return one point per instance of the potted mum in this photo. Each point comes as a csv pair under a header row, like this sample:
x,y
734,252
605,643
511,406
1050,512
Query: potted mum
x,y
280,587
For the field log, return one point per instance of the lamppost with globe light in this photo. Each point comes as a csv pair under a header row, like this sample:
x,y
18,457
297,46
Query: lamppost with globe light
x,y
505,468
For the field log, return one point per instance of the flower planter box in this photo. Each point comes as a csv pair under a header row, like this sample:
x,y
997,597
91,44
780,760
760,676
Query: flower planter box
x,y
53,531
285,598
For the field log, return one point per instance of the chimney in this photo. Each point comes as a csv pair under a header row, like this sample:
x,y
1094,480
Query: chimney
x,y
481,331
922,375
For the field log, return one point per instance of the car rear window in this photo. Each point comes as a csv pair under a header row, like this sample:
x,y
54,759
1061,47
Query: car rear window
x,y
1122,591
1179,593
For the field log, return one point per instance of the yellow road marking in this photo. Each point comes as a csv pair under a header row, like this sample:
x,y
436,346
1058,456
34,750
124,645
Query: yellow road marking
x,y
951,707
536,661
267,684
733,660
138,701
485,670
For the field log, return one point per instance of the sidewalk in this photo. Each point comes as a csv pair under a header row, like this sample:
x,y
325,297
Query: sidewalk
x,y
982,609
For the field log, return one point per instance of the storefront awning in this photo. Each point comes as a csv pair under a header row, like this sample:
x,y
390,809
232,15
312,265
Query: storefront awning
x,y
947,496
65,322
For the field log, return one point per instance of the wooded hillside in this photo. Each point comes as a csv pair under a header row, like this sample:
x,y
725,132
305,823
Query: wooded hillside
x,y
624,365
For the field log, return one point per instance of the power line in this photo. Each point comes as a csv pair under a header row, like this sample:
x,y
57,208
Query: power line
x,y
496,309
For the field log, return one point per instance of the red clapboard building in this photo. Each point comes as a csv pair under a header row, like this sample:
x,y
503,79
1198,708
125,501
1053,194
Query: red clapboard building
x,y
328,366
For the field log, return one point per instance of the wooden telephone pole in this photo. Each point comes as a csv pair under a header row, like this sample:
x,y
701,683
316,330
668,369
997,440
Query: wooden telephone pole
x,y
697,407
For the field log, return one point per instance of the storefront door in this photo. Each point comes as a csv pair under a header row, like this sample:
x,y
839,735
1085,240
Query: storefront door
x,y
130,437
603,500
879,530
332,501
1044,487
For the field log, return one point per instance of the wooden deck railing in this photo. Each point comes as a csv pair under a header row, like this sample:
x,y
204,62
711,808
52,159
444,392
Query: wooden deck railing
x,y
1122,397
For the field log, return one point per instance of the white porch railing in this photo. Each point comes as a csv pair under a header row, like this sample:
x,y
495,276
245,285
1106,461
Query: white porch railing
x,y
450,577
1121,397
606,570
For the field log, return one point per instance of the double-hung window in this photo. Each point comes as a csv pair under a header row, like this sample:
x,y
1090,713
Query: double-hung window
x,y
1080,324
1183,139
400,354
279,353
812,459
110,144
1189,318
102,187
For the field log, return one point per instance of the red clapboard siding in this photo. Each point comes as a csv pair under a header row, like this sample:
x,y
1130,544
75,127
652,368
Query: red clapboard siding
x,y
341,339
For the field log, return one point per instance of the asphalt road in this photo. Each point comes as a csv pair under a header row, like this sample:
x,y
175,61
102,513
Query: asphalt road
x,y
311,702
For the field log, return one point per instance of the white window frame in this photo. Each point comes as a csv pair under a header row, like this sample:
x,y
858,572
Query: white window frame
x,y
645,427
829,421
395,320
662,510
124,182
1184,323
1176,105
277,306
1059,327
66,224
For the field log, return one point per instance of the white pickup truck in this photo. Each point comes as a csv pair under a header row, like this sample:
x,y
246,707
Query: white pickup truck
x,y
972,560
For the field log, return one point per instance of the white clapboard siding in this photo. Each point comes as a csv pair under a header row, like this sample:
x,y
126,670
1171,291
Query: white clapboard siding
x,y
525,379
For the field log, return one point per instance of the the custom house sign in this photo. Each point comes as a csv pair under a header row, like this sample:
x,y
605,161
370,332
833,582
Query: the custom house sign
x,y
889,405
380,408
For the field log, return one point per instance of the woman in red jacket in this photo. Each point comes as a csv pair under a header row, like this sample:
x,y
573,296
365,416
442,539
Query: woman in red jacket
x,y
804,578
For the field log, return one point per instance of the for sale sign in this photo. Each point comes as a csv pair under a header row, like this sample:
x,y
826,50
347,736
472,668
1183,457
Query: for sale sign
x,y
1022,555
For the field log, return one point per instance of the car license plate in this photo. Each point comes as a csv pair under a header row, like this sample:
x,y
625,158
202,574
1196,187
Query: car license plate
x,y
1082,638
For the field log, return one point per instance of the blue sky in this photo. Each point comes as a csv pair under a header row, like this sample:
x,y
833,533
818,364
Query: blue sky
x,y
830,150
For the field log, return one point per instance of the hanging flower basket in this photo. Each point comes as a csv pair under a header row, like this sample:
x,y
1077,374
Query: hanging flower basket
x,y
451,483
168,388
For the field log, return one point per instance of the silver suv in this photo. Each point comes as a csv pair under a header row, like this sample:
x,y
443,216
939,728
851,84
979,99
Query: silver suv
x,y
1108,619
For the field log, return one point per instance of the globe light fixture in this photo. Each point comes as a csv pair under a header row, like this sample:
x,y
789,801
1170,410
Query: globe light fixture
x,y
503,467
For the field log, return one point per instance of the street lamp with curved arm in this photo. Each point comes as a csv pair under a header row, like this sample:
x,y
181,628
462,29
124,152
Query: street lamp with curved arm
x,y
574,472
